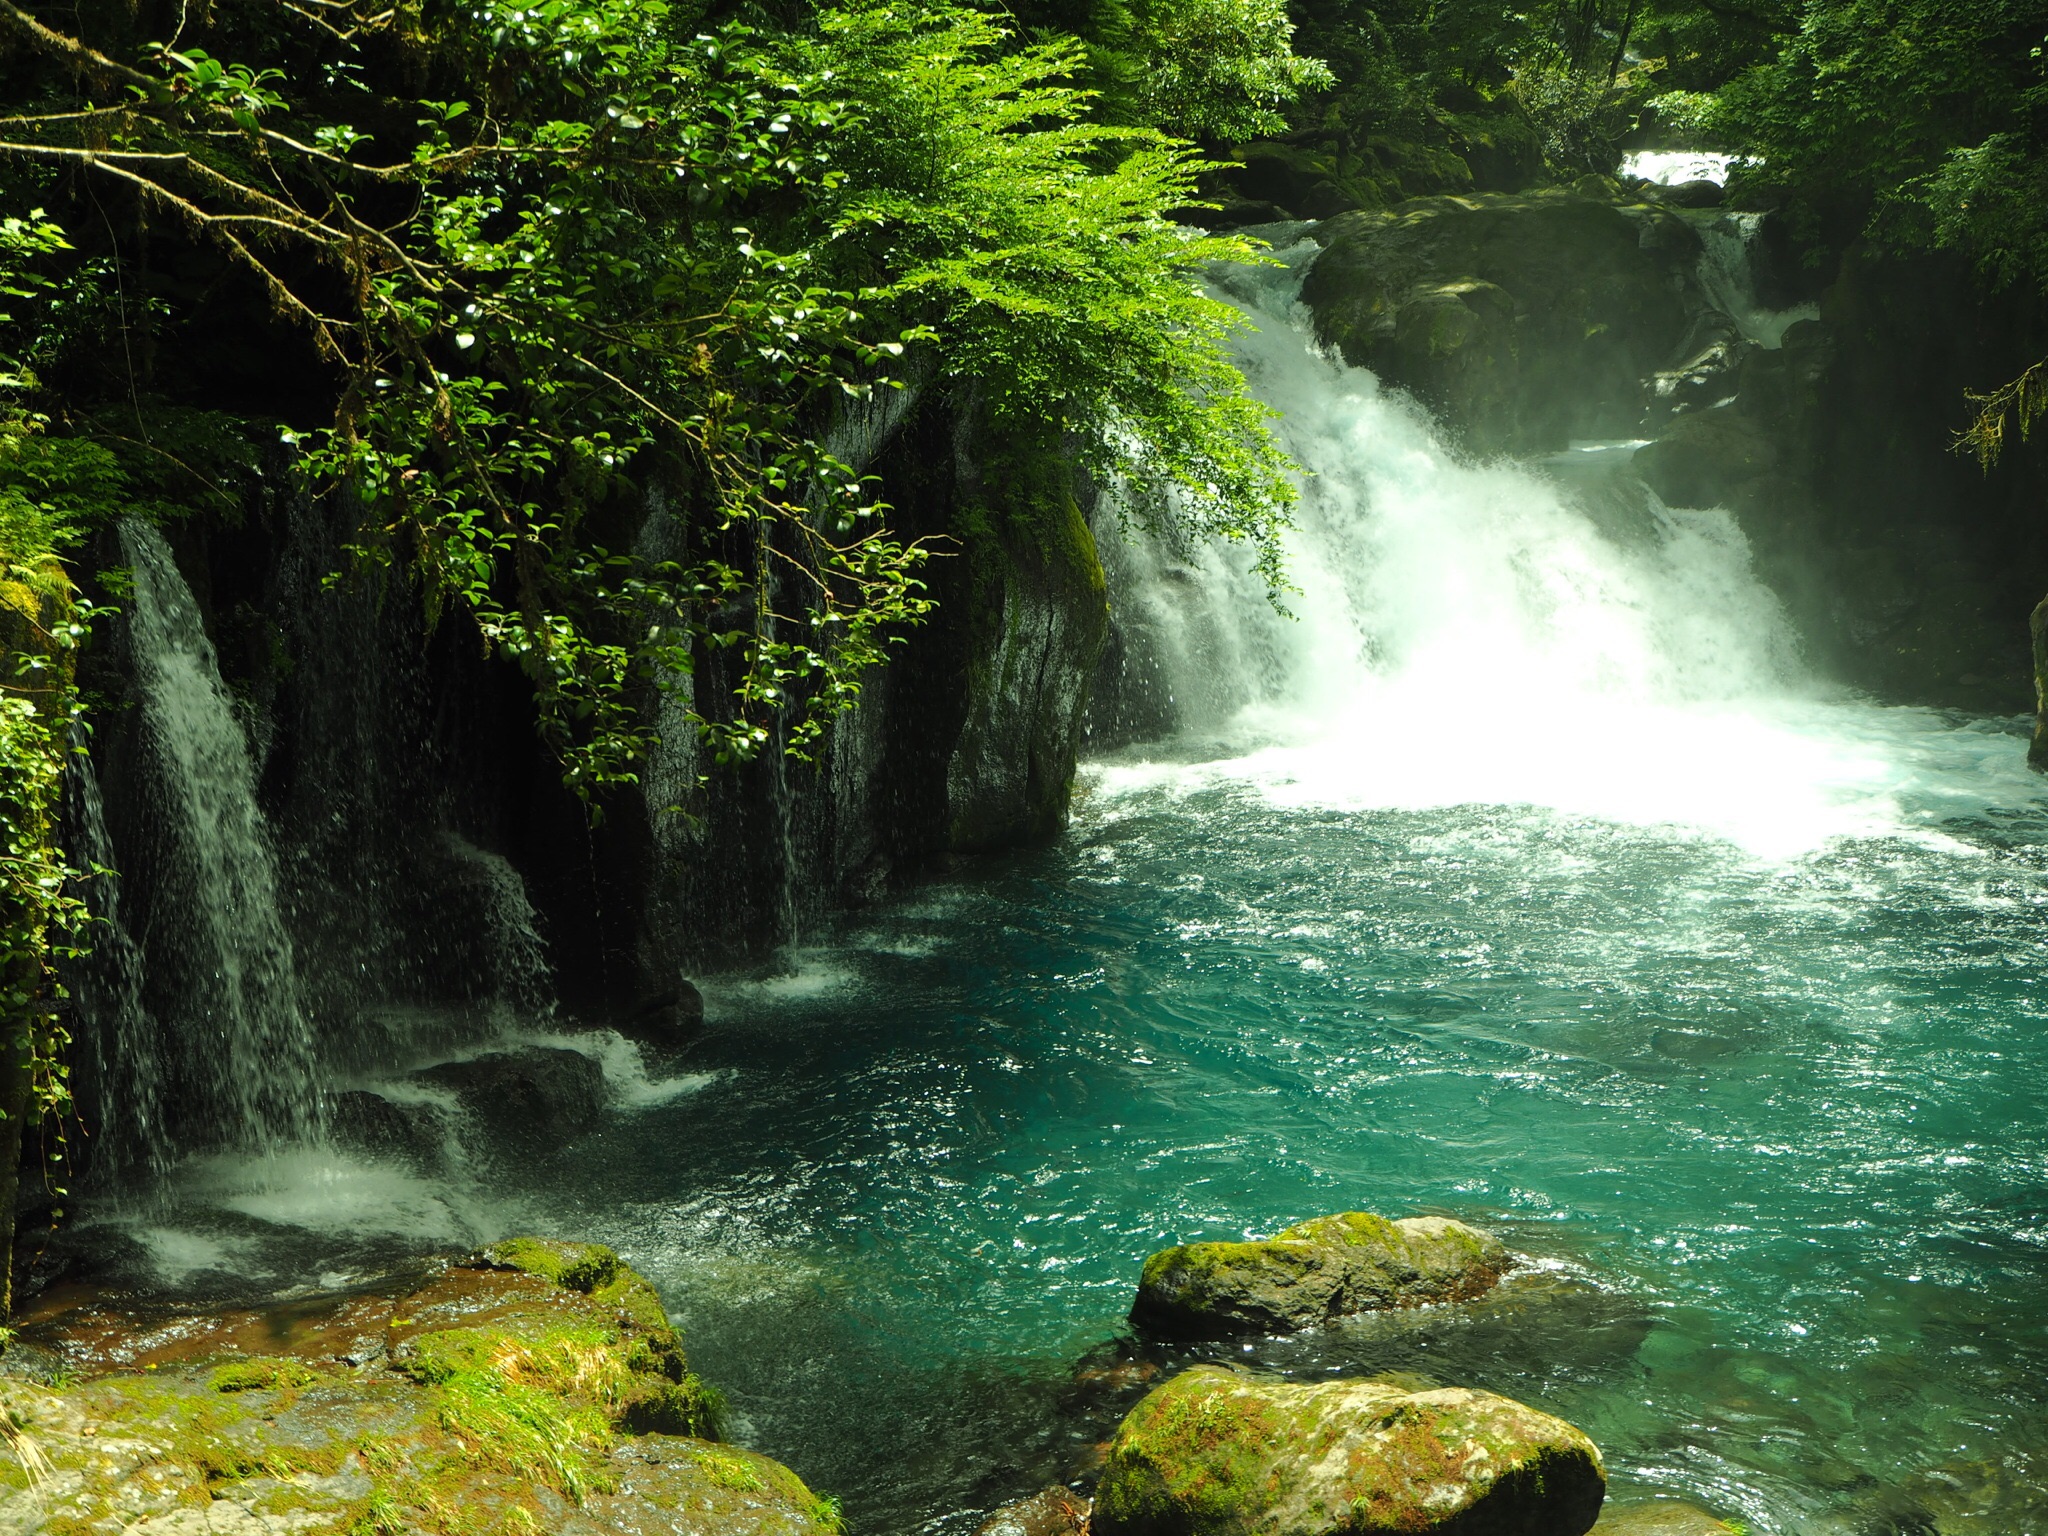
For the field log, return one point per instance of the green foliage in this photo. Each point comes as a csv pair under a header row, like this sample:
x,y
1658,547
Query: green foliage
x,y
42,485
1920,121
576,267
1215,69
1061,302
1583,112
1868,103
25,243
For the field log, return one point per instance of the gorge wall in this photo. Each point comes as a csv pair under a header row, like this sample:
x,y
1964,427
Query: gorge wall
x,y
335,848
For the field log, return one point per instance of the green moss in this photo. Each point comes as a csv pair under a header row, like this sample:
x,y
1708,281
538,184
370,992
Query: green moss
x,y
1354,1229
584,1267
727,1470
688,1407
266,1373
474,1431
1197,1444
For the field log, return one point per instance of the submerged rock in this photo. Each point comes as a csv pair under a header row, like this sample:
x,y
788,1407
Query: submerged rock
x,y
1662,1517
501,1395
1314,1272
1055,1512
535,1098
1215,1452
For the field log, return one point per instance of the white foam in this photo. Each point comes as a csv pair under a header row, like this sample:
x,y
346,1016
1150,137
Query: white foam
x,y
1469,635
811,974
315,1189
626,1074
177,1255
1673,167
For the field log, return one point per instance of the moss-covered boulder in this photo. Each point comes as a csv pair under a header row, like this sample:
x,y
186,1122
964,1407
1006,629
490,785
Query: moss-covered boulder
x,y
1314,1272
1216,1452
507,1393
1524,321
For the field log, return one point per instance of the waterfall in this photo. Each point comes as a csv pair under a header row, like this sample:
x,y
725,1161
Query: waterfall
x,y
1477,633
121,1066
220,954
1727,271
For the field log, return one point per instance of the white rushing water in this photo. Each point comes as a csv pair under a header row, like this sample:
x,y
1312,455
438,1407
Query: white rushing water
x,y
1673,167
1475,634
246,1067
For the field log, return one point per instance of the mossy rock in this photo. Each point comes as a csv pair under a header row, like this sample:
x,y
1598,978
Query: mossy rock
x,y
1217,1452
1313,1273
537,1387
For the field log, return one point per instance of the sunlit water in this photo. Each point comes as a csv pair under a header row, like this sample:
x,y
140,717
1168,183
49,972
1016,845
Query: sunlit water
x,y
1524,875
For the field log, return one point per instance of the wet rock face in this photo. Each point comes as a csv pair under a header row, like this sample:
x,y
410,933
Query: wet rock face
x,y
1039,621
1524,321
1313,1273
1705,458
1218,1453
495,1394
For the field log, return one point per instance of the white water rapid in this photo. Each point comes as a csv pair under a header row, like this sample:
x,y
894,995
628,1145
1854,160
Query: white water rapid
x,y
1497,634
246,1058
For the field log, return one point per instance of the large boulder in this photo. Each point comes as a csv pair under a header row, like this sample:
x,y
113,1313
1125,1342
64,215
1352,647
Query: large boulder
x,y
1524,321
1216,1452
1038,622
1706,458
503,1393
534,1098
1314,1272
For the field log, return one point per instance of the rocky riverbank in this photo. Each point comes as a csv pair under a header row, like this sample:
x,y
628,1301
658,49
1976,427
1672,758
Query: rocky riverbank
x,y
535,1386
538,1385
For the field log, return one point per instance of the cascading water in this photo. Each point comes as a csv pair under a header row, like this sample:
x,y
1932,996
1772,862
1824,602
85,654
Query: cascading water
x,y
1469,633
123,1072
217,942
1728,273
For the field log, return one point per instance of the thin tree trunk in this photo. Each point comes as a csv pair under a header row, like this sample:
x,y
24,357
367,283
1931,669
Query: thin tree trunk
x,y
1628,27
